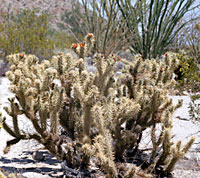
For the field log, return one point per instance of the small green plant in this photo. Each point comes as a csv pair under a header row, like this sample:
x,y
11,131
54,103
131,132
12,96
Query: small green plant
x,y
188,73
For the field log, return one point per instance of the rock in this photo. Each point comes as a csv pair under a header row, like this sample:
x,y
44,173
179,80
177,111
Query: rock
x,y
118,73
119,65
91,68
89,61
38,156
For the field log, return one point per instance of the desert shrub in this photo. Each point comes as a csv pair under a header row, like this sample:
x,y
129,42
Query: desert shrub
x,y
61,39
188,73
26,32
102,115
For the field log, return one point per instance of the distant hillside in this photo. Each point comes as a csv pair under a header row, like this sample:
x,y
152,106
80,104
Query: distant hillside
x,y
55,7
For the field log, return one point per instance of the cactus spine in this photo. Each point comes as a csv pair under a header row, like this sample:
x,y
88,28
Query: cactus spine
x,y
103,115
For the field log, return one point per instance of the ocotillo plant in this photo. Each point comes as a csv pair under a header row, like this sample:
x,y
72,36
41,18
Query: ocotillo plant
x,y
191,41
103,115
153,23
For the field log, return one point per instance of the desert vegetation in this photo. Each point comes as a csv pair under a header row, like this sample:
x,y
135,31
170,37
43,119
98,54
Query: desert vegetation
x,y
97,119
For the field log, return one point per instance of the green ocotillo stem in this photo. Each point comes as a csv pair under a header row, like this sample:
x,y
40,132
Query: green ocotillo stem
x,y
153,23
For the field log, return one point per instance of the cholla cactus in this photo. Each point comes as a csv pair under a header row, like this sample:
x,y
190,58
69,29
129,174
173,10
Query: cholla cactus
x,y
4,174
82,49
103,115
148,82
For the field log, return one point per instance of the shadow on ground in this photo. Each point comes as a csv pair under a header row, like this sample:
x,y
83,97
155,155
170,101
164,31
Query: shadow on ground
x,y
25,163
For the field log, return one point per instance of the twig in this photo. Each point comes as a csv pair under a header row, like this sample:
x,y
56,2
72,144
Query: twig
x,y
183,119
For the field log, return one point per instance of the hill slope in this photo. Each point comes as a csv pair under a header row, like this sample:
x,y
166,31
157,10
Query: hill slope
x,y
55,7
